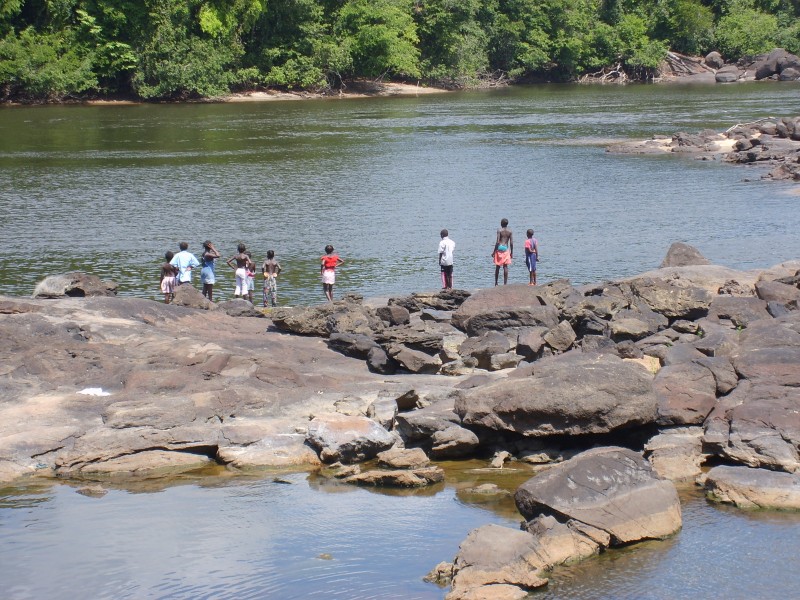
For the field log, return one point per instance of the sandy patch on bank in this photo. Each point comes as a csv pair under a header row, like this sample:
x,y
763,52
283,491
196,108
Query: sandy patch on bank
x,y
361,89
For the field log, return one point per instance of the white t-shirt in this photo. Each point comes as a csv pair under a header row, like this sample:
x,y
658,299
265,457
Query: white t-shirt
x,y
446,247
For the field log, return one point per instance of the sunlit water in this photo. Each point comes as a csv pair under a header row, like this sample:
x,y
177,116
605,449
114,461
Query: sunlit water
x,y
108,189
216,537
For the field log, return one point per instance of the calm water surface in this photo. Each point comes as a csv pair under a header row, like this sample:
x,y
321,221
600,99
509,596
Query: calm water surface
x,y
108,189
216,537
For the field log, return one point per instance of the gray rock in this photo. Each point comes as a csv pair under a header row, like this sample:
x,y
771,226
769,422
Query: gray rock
x,y
188,296
561,337
504,307
355,345
628,349
769,350
739,311
379,361
686,394
414,360
413,478
754,488
714,60
240,307
459,367
394,314
429,342
774,291
403,458
724,374
612,489
728,74
484,346
682,353
347,439
436,316
571,394
597,343
530,342
683,255
343,316
74,285
420,425
507,360
453,442
673,299
789,74
677,453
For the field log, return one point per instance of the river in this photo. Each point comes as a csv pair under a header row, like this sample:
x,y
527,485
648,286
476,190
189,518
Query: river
x,y
108,189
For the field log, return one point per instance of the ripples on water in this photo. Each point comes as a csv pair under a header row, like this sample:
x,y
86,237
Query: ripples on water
x,y
109,189
255,538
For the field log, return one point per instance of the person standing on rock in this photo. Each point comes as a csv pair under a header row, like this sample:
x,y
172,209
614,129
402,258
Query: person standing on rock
x,y
503,251
327,269
446,249
240,263
531,256
168,273
271,268
207,274
185,261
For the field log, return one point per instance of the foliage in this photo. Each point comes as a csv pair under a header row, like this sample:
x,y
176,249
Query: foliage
x,y
52,49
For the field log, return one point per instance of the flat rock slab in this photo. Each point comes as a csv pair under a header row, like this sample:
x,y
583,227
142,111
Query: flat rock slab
x,y
754,488
612,489
412,478
571,394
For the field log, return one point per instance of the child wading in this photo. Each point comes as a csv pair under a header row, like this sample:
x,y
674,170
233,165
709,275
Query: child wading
x,y
168,273
328,264
271,268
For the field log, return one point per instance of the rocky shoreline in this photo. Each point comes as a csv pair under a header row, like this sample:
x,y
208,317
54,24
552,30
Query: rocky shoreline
x,y
771,144
689,372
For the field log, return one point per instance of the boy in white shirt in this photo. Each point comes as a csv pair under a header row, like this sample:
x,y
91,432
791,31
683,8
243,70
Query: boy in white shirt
x,y
446,248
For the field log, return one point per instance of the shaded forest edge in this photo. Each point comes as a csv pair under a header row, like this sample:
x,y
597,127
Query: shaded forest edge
x,y
63,50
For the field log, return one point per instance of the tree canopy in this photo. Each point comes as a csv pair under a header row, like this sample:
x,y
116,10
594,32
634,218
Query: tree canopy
x,y
176,49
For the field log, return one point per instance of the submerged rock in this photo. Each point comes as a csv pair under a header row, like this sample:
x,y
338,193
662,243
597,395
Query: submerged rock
x,y
347,439
74,285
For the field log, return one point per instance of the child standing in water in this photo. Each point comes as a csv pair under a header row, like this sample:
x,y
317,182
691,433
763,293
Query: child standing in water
x,y
251,276
328,264
271,268
168,273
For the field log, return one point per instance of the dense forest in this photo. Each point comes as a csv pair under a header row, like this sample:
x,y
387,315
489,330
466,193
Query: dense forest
x,y
178,49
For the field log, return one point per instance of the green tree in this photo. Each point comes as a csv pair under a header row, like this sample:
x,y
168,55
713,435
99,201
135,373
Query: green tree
x,y
745,30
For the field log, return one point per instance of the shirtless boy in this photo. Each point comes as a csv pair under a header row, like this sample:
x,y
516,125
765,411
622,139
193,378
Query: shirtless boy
x,y
271,269
240,263
168,273
503,251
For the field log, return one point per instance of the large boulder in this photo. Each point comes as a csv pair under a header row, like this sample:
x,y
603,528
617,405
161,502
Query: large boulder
x,y
189,296
347,439
571,394
686,393
612,489
757,425
739,311
674,299
483,347
445,300
676,453
683,255
714,60
754,488
504,307
419,426
775,291
355,345
453,442
74,285
494,561
769,350
344,316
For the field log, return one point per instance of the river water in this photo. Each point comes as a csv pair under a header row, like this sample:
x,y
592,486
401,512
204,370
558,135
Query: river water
x,y
108,189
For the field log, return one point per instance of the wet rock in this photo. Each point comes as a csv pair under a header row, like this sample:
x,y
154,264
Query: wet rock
x,y
686,393
148,462
347,439
453,442
754,488
272,450
682,255
74,285
612,489
572,394
412,478
676,453
403,458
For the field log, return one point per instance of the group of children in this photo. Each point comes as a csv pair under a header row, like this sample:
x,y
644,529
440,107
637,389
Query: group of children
x,y
177,269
